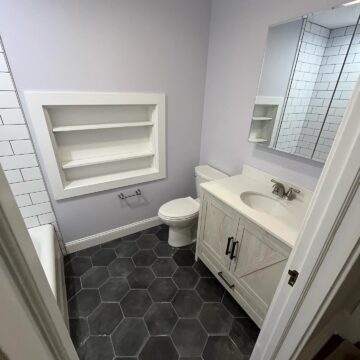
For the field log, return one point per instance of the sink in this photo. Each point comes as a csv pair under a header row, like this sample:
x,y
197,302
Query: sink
x,y
264,203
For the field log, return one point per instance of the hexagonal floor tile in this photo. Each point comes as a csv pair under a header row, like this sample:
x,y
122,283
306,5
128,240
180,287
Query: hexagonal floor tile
x,y
79,331
73,286
132,237
89,251
147,241
244,333
83,303
162,289
159,348
202,270
187,303
186,277
111,244
144,258
96,348
184,257
121,267
95,277
189,337
103,257
126,249
233,307
135,303
129,337
140,278
105,318
160,319
215,318
163,249
210,289
114,289
221,347
163,234
164,267
77,266
152,230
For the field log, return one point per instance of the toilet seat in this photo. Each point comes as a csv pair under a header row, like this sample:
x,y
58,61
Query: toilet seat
x,y
180,209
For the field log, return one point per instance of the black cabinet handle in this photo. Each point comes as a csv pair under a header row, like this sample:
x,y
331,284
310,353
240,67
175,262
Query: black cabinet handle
x,y
228,245
225,281
232,256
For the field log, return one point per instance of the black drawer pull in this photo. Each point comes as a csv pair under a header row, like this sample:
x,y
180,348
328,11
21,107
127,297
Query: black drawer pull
x,y
225,281
228,245
232,256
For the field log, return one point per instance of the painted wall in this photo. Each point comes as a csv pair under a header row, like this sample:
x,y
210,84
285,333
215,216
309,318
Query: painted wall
x,y
17,155
238,34
117,45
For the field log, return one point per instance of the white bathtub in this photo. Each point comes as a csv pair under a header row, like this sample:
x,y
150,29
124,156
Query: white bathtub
x,y
47,247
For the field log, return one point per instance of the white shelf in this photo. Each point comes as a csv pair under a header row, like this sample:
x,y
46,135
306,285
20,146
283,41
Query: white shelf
x,y
258,140
261,118
105,159
101,126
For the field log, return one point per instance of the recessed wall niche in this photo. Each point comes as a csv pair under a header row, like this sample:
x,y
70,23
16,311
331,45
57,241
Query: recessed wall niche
x,y
91,142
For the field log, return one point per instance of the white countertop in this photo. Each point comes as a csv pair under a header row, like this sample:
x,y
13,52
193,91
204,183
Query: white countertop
x,y
285,228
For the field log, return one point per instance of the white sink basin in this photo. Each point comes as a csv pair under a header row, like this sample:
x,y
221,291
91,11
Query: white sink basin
x,y
264,203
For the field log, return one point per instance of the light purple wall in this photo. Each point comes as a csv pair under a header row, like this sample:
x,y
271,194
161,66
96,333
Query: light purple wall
x,y
117,45
237,42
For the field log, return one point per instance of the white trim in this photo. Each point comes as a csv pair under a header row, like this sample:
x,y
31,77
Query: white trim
x,y
110,235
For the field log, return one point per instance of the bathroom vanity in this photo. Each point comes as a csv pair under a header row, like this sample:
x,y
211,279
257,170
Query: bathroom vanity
x,y
246,234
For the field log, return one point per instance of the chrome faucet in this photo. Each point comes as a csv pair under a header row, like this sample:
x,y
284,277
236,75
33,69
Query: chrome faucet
x,y
279,190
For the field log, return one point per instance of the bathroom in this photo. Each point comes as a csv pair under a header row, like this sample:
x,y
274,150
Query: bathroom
x,y
170,161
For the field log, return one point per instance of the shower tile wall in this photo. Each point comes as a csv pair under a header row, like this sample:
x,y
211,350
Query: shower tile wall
x,y
17,155
309,113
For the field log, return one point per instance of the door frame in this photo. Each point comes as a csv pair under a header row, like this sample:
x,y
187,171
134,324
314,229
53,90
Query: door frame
x,y
322,259
24,271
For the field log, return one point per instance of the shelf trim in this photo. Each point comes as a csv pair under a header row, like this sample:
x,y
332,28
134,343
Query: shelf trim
x,y
261,118
258,140
98,160
101,126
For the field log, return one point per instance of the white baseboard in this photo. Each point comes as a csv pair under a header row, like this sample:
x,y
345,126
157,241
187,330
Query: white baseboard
x,y
112,234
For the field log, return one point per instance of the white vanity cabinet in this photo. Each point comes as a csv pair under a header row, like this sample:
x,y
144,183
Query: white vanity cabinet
x,y
247,260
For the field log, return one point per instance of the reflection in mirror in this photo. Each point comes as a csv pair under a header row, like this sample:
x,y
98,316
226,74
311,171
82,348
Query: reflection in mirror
x,y
310,68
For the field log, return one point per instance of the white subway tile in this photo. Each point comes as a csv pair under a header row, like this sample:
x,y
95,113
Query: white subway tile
x,y
14,132
47,218
5,148
22,147
33,210
18,161
39,197
27,187
5,81
32,173
23,200
1,48
3,65
338,32
31,222
13,176
8,99
11,116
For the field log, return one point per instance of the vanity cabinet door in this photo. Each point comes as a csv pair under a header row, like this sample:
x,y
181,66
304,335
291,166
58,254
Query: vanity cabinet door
x,y
219,223
257,268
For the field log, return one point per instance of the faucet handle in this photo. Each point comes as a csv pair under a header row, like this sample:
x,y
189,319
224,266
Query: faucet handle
x,y
291,193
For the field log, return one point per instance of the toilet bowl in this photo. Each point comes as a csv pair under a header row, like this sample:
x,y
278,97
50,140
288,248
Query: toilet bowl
x,y
181,214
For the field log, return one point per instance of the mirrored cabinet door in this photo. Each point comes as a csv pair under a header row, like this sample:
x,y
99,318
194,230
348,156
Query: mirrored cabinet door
x,y
310,69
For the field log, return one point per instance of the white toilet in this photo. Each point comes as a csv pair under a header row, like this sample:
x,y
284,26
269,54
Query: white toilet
x,y
181,214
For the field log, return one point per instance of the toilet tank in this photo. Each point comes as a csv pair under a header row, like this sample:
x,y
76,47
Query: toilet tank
x,y
204,173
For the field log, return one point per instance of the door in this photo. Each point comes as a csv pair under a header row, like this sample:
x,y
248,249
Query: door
x,y
219,230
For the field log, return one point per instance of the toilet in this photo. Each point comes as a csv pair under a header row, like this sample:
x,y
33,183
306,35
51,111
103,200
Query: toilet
x,y
181,214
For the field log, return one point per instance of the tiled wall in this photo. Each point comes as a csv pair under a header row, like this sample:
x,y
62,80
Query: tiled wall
x,y
310,100
17,156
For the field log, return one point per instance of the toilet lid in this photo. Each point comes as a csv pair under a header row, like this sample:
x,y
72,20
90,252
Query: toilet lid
x,y
180,208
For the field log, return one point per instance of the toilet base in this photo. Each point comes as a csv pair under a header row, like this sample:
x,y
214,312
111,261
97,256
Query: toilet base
x,y
181,236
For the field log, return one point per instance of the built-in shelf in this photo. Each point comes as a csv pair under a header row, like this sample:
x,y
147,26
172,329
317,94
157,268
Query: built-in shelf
x,y
258,140
101,126
93,142
261,118
105,159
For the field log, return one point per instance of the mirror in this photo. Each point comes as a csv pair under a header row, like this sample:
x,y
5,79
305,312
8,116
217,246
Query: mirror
x,y
310,68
